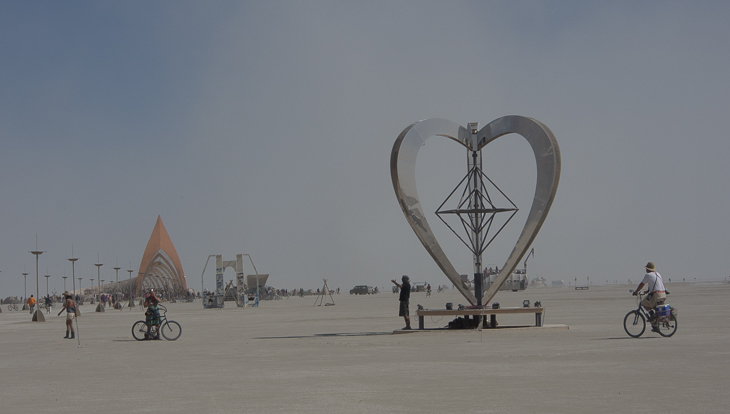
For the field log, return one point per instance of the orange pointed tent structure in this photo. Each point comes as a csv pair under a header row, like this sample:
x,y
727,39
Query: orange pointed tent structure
x,y
160,267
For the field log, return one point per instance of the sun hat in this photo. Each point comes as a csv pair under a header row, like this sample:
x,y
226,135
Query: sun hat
x,y
650,267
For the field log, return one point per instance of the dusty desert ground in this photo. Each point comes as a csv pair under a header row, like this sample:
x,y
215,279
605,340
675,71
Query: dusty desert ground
x,y
288,356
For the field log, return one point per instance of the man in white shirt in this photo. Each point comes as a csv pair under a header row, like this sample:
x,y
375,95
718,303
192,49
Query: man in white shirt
x,y
655,287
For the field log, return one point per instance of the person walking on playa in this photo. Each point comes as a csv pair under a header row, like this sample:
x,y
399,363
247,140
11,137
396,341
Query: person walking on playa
x,y
70,307
405,296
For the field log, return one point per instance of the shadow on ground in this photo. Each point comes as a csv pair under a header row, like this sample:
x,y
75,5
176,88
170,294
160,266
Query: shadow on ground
x,y
327,334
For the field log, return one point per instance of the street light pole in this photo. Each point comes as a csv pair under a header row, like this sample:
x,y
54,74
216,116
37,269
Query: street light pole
x,y
131,298
99,308
47,277
25,291
25,286
37,316
73,271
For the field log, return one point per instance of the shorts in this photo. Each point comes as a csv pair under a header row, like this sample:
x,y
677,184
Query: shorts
x,y
403,311
651,302
152,316
70,316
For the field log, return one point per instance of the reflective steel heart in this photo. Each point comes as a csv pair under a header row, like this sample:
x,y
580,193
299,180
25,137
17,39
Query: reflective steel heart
x,y
403,173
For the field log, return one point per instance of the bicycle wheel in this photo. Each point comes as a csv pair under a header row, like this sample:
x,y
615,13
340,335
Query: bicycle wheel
x,y
634,324
171,330
139,330
668,328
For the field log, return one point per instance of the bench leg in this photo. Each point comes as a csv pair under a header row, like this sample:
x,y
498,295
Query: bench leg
x,y
492,321
538,319
420,322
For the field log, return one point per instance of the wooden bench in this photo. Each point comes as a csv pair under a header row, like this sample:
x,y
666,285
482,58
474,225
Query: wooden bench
x,y
480,312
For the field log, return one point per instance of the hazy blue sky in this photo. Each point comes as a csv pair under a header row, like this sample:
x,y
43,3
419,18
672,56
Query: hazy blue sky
x,y
266,128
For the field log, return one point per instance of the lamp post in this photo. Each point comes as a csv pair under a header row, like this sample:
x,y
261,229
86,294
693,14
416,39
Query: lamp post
x,y
81,291
73,270
64,283
37,316
99,308
47,309
131,298
25,286
116,269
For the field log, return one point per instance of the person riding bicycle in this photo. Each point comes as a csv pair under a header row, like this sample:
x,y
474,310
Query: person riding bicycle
x,y
656,292
152,315
31,302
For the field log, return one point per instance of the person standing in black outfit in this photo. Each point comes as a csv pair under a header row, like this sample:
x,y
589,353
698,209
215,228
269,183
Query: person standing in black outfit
x,y
405,296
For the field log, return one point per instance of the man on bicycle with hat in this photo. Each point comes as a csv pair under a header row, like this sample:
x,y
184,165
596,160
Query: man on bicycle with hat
x,y
657,293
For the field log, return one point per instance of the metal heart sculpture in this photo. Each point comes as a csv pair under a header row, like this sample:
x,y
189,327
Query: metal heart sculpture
x,y
403,173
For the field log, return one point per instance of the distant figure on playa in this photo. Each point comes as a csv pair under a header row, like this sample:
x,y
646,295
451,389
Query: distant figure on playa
x,y
428,290
48,304
70,307
656,292
31,303
405,296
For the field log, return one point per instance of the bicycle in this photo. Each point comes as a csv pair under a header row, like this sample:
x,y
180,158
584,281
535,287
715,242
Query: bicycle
x,y
12,307
635,321
170,330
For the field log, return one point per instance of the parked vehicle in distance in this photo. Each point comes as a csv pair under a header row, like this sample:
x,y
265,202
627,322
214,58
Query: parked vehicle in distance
x,y
360,290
